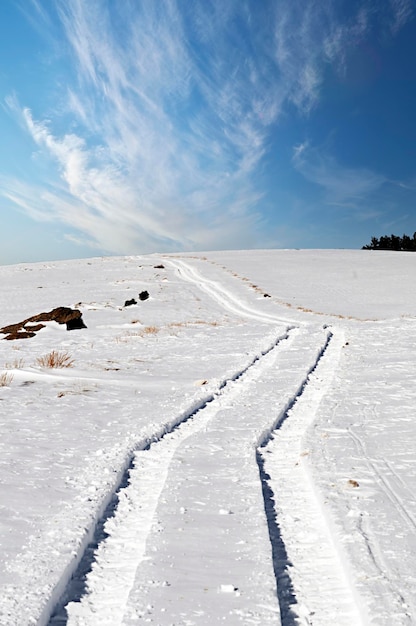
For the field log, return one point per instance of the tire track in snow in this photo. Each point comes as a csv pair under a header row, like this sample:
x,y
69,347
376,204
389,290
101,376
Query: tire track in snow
x,y
97,592
224,297
72,586
314,586
94,536
289,373
211,470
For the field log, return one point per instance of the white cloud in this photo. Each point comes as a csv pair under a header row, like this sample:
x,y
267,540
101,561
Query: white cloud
x,y
402,12
342,185
171,106
152,173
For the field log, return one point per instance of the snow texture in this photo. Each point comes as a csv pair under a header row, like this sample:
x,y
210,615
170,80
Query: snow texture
x,y
236,449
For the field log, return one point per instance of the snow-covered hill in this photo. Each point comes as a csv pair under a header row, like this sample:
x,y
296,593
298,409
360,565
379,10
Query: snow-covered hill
x,y
236,449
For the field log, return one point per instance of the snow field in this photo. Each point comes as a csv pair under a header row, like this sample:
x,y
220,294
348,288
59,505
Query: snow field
x,y
150,464
368,414
237,449
314,565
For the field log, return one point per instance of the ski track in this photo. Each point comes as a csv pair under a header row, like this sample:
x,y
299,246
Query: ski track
x,y
389,491
126,527
53,611
380,468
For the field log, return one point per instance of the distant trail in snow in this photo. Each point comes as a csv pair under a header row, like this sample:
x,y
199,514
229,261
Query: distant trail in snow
x,y
224,297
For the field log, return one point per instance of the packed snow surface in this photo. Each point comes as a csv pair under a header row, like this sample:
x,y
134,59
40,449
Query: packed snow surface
x,y
236,449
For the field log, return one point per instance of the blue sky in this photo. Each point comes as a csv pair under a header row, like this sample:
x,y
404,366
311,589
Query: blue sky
x,y
137,126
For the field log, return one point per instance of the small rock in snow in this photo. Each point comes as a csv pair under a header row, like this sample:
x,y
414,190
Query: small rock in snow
x,y
353,483
228,588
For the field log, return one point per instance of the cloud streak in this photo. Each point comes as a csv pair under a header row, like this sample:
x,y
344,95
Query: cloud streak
x,y
170,107
341,185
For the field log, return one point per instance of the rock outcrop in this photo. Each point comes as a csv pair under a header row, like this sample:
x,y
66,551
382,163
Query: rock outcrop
x,y
28,328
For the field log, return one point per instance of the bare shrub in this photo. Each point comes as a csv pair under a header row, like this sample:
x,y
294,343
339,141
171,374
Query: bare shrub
x,y
55,359
5,379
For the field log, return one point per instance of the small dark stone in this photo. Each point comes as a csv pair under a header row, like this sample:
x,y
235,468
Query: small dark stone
x,y
75,324
143,295
159,267
130,302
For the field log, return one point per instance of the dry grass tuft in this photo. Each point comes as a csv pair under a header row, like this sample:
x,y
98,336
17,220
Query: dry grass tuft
x,y
5,379
150,330
142,332
193,323
15,365
55,359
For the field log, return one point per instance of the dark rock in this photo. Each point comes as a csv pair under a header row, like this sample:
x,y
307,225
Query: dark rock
x,y
143,295
34,328
61,315
75,324
130,302
159,267
24,334
12,328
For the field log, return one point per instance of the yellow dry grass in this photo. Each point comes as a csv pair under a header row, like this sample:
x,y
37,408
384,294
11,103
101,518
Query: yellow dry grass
x,y
55,359
14,365
5,379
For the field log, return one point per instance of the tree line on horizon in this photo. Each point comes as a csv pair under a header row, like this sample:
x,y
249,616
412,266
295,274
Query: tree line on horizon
x,y
392,242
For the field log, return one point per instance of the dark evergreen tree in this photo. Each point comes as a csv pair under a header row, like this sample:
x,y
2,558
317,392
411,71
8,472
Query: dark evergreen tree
x,y
392,242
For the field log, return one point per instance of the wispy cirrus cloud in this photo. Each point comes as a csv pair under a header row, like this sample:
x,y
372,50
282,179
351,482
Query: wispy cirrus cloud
x,y
169,108
169,146
402,11
341,185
